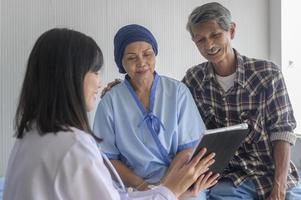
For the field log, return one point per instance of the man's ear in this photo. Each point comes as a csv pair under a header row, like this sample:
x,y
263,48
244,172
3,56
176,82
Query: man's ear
x,y
232,30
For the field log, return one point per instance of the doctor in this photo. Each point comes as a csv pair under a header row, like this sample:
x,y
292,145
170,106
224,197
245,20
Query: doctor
x,y
55,155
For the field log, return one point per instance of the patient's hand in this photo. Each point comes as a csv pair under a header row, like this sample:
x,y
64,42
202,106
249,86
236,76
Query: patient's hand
x,y
205,181
110,86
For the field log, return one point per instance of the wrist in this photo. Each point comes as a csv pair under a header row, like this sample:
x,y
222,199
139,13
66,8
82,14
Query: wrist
x,y
142,186
277,193
172,188
280,184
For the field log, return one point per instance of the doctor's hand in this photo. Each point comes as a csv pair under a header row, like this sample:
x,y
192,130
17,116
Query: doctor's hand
x,y
184,173
179,156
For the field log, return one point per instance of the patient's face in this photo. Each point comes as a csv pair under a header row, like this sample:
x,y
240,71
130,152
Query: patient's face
x,y
91,89
139,61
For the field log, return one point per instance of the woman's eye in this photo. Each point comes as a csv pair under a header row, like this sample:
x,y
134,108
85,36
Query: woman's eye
x,y
131,58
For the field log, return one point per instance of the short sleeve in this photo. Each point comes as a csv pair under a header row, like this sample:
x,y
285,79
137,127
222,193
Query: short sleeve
x,y
104,128
190,124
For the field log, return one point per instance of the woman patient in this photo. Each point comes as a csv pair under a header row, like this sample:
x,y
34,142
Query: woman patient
x,y
147,120
55,155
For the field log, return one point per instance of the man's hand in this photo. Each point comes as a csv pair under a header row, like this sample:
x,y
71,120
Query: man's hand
x,y
281,155
110,86
278,192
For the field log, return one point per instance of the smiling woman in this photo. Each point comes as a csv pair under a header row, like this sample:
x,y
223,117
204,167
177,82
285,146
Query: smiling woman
x,y
139,63
148,120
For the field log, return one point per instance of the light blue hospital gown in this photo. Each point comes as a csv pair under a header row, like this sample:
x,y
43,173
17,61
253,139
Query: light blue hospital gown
x,y
147,141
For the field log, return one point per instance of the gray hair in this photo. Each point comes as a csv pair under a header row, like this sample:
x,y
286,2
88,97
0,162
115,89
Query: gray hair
x,y
207,12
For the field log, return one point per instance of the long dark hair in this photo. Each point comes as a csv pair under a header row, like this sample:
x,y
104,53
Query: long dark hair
x,y
52,95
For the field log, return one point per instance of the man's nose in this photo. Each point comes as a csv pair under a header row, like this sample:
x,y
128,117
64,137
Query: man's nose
x,y
209,44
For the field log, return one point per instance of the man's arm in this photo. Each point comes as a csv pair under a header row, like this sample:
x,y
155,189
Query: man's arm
x,y
110,86
281,156
280,123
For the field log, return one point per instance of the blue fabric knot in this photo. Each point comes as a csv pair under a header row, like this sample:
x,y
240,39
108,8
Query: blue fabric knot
x,y
153,121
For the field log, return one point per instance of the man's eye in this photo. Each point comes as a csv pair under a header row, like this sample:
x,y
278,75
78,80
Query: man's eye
x,y
216,35
200,41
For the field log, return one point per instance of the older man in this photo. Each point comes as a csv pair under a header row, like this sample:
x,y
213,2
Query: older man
x,y
231,88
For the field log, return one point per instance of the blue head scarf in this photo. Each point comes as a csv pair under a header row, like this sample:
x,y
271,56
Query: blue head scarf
x,y
129,34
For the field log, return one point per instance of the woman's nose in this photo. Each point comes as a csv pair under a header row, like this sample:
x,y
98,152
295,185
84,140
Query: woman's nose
x,y
140,61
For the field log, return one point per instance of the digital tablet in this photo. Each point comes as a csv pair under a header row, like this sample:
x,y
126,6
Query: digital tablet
x,y
223,142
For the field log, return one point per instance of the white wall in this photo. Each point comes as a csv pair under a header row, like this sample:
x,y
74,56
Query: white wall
x,y
23,21
291,63
291,48
275,31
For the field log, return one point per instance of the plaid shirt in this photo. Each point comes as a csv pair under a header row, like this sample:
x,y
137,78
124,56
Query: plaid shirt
x,y
259,98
